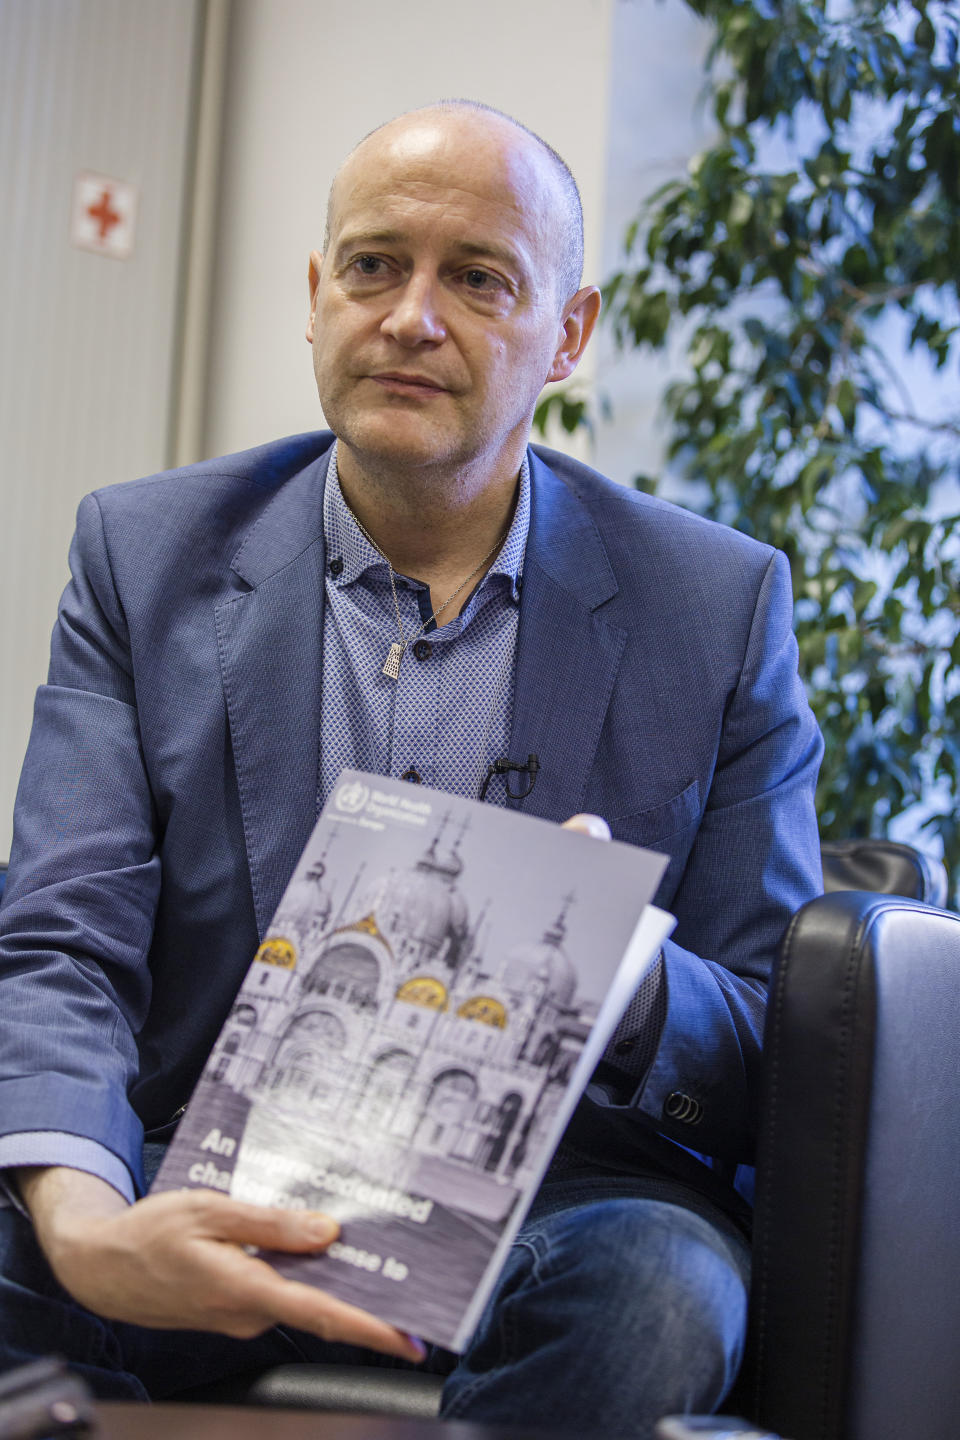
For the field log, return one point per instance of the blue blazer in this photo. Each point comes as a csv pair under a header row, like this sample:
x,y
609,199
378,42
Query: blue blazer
x,y
171,777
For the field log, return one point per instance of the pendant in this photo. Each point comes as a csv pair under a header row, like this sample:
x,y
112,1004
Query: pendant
x,y
391,666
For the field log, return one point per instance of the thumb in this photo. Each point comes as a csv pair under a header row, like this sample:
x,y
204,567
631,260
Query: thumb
x,y
593,825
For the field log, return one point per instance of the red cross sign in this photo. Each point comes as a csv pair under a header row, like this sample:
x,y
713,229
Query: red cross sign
x,y
103,215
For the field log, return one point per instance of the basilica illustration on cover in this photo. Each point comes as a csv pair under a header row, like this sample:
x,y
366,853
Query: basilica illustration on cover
x,y
401,1052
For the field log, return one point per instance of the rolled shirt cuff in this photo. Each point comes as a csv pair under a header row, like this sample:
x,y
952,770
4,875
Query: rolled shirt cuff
x,y
54,1147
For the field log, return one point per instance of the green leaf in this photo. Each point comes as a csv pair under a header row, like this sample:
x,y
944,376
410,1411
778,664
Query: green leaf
x,y
778,268
571,411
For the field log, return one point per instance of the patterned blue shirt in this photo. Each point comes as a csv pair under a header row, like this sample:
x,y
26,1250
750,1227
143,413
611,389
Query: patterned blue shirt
x,y
447,717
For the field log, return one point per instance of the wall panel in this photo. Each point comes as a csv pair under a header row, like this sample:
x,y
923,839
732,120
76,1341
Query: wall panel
x,y
87,349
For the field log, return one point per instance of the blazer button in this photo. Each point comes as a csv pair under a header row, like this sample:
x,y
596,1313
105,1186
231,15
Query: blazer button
x,y
682,1108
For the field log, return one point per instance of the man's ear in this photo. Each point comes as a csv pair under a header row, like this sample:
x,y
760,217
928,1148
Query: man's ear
x,y
313,280
576,327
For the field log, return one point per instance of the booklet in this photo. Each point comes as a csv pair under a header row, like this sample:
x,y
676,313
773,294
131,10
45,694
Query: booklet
x,y
436,987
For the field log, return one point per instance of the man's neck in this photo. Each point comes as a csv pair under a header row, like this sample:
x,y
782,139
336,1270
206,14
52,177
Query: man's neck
x,y
435,526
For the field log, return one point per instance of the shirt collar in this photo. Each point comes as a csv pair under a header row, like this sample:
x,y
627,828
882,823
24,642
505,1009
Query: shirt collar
x,y
345,541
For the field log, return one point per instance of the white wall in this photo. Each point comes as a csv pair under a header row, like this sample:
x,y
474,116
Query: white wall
x,y
305,81
656,123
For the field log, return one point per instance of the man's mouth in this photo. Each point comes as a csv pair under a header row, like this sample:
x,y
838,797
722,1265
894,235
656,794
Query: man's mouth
x,y
399,382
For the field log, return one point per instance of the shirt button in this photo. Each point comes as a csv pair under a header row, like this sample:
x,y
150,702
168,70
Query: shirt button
x,y
411,775
336,566
423,650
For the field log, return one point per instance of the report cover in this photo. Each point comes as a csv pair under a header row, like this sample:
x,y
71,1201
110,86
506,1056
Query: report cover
x,y
406,1050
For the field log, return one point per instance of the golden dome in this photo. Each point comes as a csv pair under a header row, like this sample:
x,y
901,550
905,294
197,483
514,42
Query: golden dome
x,y
275,950
486,1010
424,990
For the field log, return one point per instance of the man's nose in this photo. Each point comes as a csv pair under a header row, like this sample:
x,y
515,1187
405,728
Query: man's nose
x,y
415,317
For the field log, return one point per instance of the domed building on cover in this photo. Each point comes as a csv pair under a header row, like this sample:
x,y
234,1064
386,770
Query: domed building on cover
x,y
383,1015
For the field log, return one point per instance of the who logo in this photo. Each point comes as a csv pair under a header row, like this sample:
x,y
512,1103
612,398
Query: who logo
x,y
352,797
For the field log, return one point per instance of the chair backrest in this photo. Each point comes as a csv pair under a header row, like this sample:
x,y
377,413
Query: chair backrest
x,y
855,1306
885,866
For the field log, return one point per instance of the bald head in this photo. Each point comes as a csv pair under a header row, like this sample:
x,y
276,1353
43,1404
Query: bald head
x,y
551,189
446,297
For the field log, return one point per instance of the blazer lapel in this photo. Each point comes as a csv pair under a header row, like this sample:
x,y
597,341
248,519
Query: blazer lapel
x,y
270,643
568,655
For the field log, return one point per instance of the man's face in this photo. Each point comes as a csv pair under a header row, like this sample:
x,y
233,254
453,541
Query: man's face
x,y
435,318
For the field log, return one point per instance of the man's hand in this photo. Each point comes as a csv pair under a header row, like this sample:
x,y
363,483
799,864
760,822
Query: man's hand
x,y
176,1261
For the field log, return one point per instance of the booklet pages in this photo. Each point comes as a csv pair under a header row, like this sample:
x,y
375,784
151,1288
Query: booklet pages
x,y
436,987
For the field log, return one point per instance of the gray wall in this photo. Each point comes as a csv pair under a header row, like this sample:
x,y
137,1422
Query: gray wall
x,y
656,124
88,342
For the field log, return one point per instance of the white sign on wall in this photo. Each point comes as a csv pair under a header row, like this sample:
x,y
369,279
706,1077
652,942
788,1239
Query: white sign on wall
x,y
103,215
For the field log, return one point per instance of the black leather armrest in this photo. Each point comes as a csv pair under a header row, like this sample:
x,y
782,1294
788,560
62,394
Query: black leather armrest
x,y
855,1306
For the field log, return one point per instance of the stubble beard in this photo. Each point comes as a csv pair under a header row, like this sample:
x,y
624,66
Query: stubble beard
x,y
447,472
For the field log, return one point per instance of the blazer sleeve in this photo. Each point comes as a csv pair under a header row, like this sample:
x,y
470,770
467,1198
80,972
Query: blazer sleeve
x,y
80,901
755,860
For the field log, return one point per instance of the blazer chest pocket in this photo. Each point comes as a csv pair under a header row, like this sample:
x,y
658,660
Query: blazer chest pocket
x,y
660,824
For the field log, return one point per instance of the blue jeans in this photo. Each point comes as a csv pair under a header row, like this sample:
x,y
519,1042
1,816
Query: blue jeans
x,y
623,1299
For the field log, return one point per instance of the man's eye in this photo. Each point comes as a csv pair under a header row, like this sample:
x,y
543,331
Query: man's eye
x,y
368,264
481,280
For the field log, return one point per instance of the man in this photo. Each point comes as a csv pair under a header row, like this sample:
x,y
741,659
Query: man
x,y
235,634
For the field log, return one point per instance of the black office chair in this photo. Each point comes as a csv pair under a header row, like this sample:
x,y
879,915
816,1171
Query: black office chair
x,y
855,1301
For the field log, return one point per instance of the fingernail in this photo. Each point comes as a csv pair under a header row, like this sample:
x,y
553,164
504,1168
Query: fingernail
x,y
322,1229
418,1345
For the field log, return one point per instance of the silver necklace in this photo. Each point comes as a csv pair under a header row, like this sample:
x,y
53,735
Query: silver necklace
x,y
391,666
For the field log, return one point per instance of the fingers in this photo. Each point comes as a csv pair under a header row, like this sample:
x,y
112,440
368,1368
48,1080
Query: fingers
x,y
295,1231
178,1261
306,1308
593,825
253,1296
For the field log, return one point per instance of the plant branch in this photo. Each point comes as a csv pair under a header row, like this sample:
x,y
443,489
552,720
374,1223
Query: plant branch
x,y
866,300
946,427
